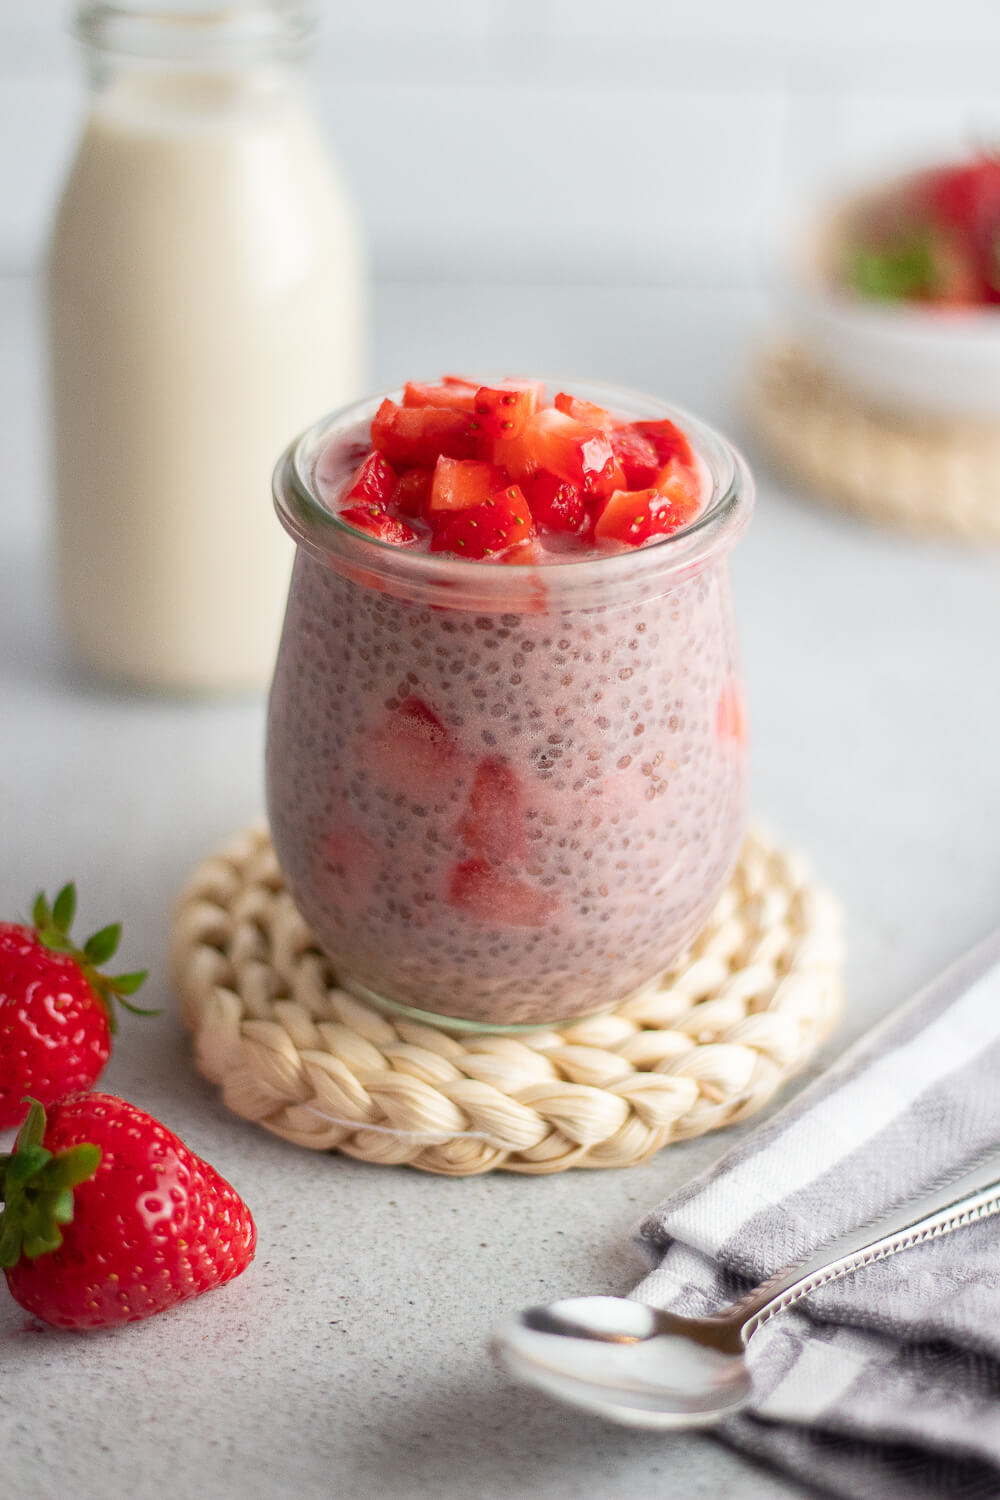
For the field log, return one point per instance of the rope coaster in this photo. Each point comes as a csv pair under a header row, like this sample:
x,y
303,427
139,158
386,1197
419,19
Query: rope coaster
x,y
741,1011
941,478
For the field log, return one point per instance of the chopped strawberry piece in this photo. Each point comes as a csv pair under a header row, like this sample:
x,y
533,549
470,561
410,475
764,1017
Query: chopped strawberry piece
x,y
374,483
574,451
419,435
379,524
966,197
452,392
681,484
525,556
348,866
637,455
731,714
500,900
492,823
461,482
502,412
486,530
411,751
511,454
520,383
556,504
336,459
634,516
411,494
585,411
668,440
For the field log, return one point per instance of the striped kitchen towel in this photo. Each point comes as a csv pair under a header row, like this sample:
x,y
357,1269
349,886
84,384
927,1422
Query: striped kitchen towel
x,y
886,1385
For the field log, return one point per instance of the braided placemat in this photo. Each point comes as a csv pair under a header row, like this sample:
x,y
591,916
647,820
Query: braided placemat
x,y
709,1043
941,478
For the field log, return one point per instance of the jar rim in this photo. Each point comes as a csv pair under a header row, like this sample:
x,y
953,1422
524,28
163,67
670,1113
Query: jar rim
x,y
465,582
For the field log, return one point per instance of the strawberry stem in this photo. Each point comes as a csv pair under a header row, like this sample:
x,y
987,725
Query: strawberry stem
x,y
37,1189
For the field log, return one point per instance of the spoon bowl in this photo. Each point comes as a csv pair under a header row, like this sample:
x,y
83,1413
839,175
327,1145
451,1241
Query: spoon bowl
x,y
622,1360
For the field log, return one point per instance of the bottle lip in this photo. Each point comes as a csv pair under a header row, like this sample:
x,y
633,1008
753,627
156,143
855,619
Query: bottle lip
x,y
434,577
197,31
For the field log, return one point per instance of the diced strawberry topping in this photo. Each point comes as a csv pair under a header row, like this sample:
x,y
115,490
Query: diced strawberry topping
x,y
668,440
461,482
411,494
492,823
556,504
419,435
525,556
493,469
574,451
585,411
378,523
452,392
374,483
497,899
634,516
502,412
520,383
510,454
411,751
637,455
486,530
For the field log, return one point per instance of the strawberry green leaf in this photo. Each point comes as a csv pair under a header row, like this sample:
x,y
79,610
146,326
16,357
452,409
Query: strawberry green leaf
x,y
64,909
138,1010
127,984
32,1132
38,1190
25,1163
904,269
41,912
57,942
101,945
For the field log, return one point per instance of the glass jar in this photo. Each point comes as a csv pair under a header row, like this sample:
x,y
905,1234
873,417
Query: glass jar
x,y
206,296
506,796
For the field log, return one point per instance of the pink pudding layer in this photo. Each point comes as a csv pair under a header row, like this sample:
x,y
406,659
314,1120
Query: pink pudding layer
x,y
504,816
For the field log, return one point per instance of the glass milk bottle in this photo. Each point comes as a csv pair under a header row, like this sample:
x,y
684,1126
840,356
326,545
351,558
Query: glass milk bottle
x,y
206,298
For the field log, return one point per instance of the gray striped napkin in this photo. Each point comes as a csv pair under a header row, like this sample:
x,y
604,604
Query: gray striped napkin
x,y
886,1385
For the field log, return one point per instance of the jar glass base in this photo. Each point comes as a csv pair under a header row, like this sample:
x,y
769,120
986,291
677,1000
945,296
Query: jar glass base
x,y
456,1023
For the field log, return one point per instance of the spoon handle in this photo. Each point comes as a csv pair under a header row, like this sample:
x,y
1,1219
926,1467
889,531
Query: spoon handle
x,y
974,1196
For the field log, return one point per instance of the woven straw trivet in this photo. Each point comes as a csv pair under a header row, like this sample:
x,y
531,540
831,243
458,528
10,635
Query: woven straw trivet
x,y
708,1044
941,478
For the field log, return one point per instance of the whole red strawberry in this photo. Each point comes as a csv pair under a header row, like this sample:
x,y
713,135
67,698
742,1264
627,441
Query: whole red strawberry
x,y
56,1008
109,1217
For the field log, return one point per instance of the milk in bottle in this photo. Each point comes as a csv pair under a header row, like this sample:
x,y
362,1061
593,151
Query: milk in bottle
x,y
206,299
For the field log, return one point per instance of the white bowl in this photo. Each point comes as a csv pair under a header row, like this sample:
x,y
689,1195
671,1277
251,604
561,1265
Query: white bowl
x,y
907,357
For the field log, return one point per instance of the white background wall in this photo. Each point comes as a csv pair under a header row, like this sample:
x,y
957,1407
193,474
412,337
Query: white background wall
x,y
545,140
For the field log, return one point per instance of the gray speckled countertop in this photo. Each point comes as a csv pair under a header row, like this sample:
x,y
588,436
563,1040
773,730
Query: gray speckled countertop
x,y
350,1360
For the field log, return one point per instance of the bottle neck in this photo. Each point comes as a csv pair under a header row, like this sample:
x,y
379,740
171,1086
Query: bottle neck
x,y
181,35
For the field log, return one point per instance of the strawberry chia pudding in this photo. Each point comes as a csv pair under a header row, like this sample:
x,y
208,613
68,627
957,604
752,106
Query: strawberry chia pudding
x,y
506,741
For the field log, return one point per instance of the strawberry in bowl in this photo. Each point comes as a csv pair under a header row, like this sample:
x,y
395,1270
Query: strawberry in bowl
x,y
897,291
933,238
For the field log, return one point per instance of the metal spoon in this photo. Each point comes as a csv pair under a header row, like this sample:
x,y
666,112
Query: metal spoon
x,y
642,1367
